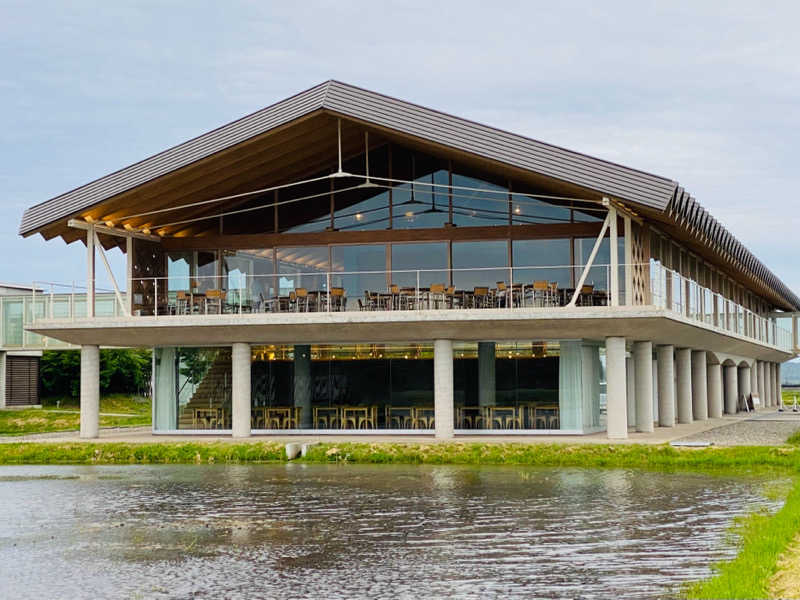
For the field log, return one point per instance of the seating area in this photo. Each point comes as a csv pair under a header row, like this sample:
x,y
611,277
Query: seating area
x,y
433,297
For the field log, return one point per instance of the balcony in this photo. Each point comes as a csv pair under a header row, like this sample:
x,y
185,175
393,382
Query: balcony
x,y
485,295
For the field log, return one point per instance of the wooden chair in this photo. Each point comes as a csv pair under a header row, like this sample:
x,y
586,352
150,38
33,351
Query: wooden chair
x,y
450,296
214,300
337,299
424,417
437,295
480,297
587,295
399,417
407,298
369,419
326,417
301,299
182,302
502,296
541,293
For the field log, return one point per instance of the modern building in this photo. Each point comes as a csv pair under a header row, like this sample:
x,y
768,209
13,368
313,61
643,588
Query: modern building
x,y
343,260
19,361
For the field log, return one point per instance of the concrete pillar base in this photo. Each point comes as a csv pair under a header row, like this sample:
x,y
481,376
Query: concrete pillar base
x,y
666,386
443,388
240,393
699,386
643,376
683,366
90,392
616,389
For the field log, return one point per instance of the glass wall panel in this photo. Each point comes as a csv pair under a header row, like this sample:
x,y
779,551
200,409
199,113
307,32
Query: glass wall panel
x,y
349,386
526,210
421,205
478,203
372,213
542,260
302,268
179,270
192,388
480,258
590,212
249,277
207,275
12,322
430,258
360,270
598,274
506,385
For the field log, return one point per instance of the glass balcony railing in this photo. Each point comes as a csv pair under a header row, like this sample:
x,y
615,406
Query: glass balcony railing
x,y
501,288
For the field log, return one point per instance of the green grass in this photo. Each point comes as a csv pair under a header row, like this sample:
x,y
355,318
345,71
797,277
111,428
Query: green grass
x,y
763,538
66,417
77,453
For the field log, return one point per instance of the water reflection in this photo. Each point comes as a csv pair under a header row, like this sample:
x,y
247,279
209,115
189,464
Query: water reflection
x,y
290,531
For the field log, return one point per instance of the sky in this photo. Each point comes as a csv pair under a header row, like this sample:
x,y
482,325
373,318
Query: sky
x,y
707,94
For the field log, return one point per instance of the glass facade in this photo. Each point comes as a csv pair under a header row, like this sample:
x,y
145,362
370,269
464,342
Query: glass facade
x,y
480,264
429,261
546,260
498,385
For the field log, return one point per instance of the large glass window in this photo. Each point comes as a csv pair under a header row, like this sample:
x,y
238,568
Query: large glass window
x,y
430,260
360,270
478,203
303,267
249,277
192,388
526,210
179,270
506,385
372,213
542,260
481,264
421,204
207,278
599,272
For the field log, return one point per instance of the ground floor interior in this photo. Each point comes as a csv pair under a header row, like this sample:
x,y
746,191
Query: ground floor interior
x,y
490,387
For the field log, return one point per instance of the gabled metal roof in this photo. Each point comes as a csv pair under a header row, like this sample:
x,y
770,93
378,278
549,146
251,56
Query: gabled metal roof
x,y
623,183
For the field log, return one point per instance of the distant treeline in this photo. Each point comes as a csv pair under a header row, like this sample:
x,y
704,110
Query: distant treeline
x,y
121,372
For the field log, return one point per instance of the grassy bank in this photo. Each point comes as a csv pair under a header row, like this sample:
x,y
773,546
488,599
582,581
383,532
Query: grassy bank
x,y
763,538
63,414
544,455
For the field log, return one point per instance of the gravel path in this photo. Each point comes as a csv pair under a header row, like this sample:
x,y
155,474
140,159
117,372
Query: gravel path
x,y
764,430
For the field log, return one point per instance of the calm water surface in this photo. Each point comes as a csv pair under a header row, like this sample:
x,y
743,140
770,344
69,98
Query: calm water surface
x,y
316,531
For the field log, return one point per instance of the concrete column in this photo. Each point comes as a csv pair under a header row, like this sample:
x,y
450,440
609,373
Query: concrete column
x,y
654,369
616,389
2,378
683,366
443,388
302,384
90,391
744,381
754,379
768,380
715,401
486,374
240,390
666,386
643,367
778,386
699,386
731,388
630,390
762,383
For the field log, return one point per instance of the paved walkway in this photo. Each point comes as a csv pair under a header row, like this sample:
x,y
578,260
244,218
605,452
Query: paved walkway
x,y
766,427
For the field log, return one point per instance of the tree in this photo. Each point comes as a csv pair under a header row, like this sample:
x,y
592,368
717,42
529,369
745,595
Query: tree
x,y
122,371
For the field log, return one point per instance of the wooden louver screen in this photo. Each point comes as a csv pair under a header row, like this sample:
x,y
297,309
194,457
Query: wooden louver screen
x,y
22,380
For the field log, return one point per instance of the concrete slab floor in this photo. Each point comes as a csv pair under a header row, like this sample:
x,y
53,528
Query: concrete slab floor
x,y
661,435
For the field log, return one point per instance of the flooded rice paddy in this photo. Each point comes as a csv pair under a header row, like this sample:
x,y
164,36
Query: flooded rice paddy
x,y
346,531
